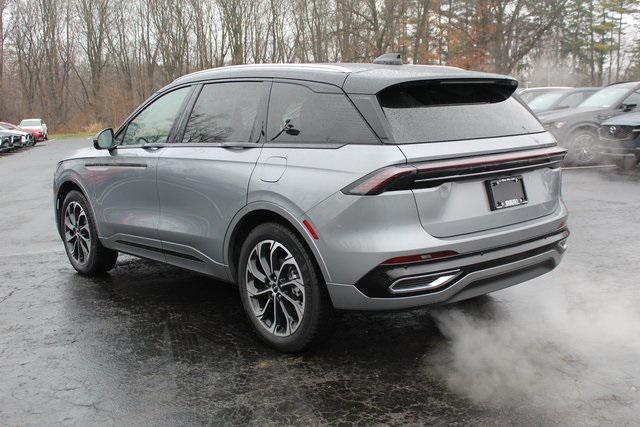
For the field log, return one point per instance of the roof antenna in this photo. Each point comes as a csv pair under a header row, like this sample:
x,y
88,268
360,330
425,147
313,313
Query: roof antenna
x,y
388,59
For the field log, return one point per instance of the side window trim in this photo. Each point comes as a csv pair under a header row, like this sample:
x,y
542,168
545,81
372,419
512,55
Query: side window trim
x,y
121,133
186,113
259,124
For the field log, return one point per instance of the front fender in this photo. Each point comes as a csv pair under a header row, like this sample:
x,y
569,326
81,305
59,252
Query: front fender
x,y
65,173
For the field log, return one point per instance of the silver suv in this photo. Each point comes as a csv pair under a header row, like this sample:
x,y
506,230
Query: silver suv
x,y
318,188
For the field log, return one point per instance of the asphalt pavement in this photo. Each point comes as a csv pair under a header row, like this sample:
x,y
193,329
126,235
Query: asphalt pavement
x,y
155,345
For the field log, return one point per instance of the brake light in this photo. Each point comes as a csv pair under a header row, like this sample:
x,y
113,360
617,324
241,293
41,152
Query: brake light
x,y
379,181
408,259
402,177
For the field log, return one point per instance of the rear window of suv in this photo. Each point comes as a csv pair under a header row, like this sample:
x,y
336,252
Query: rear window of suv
x,y
437,111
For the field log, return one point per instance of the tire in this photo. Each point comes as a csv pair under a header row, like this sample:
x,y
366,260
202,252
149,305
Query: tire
x,y
582,148
298,302
77,224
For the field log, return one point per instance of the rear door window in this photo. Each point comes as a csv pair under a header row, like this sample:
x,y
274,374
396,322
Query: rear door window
x,y
297,114
224,112
448,111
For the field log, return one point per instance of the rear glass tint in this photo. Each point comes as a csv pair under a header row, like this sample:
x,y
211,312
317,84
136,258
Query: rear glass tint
x,y
449,111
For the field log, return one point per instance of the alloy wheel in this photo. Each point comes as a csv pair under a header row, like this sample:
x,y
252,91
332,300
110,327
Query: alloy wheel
x,y
584,146
76,232
275,288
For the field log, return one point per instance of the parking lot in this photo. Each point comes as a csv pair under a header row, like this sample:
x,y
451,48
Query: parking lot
x,y
156,345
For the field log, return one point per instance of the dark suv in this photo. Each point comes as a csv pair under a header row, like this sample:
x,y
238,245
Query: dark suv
x,y
577,128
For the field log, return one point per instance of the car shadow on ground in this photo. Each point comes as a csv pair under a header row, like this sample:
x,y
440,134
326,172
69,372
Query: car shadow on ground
x,y
198,325
188,301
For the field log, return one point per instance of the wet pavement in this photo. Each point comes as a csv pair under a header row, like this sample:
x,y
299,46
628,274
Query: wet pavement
x,y
152,344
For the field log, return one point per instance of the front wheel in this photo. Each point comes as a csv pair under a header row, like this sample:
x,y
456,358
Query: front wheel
x,y
582,148
85,252
282,291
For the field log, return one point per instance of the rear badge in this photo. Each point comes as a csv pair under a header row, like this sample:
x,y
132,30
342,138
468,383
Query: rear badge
x,y
506,192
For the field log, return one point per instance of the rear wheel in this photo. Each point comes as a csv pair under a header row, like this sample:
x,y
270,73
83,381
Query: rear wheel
x,y
85,252
282,291
582,148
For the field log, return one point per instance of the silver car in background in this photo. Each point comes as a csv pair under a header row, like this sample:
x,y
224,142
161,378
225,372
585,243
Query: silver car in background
x,y
318,188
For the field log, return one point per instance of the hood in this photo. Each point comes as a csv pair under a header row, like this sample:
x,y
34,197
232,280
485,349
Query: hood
x,y
17,132
570,114
10,133
629,119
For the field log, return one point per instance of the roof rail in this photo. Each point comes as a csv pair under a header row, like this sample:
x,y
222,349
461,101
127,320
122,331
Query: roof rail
x,y
622,82
388,59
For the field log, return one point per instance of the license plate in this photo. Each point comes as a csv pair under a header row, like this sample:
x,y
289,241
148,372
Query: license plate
x,y
506,192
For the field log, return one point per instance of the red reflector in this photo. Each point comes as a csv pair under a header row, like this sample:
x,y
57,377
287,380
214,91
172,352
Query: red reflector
x,y
310,229
407,259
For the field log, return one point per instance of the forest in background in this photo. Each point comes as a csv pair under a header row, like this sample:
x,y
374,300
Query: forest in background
x,y
85,64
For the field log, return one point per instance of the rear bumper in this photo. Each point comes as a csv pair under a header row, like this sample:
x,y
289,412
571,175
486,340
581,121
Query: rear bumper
x,y
477,274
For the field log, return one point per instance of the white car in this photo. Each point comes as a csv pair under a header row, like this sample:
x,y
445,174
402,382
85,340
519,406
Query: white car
x,y
26,139
36,124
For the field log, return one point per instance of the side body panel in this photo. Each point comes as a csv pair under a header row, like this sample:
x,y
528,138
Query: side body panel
x,y
314,175
201,189
123,187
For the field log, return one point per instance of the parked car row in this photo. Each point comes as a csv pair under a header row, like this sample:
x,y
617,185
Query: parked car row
x,y
604,126
29,132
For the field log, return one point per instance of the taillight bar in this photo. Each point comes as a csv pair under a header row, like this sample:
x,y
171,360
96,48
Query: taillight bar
x,y
402,177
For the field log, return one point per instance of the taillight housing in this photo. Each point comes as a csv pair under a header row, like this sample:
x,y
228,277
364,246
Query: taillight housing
x,y
429,174
379,181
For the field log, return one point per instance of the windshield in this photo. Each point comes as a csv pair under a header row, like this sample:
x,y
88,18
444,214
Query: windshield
x,y
31,122
545,101
605,98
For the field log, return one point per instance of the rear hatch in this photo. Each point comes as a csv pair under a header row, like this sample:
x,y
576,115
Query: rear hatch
x,y
483,160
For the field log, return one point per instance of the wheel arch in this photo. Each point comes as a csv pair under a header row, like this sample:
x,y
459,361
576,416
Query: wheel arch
x,y
68,185
588,126
257,213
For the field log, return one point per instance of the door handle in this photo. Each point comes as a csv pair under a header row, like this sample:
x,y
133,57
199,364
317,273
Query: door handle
x,y
239,145
152,147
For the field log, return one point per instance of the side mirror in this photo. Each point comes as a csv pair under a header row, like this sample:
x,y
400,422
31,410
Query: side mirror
x,y
628,107
104,139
